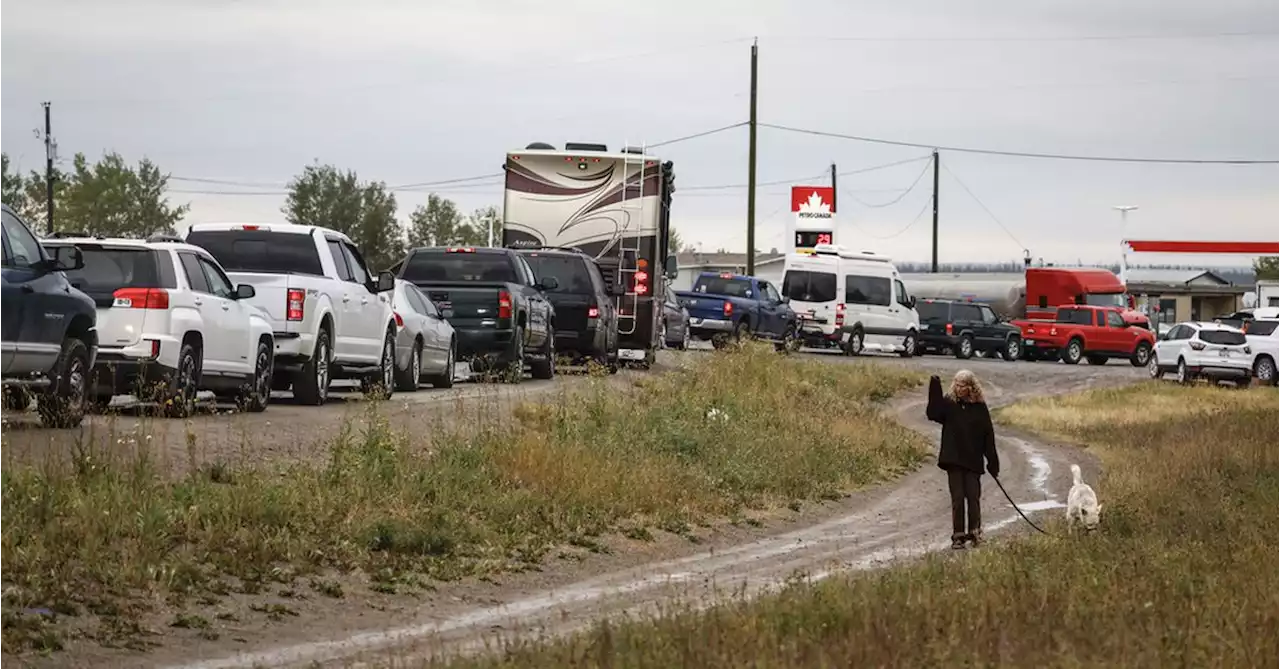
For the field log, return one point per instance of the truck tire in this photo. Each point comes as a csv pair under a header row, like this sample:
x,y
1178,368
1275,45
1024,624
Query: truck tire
x,y
544,368
63,404
909,346
964,347
1073,352
382,384
1012,349
1264,369
256,395
741,332
1141,355
311,383
857,343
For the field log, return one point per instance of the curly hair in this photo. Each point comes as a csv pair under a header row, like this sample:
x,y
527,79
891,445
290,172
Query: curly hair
x,y
965,388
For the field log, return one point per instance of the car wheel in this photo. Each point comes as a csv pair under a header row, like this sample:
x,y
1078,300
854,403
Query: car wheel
x,y
1074,352
1264,369
257,395
740,332
856,345
445,378
545,367
1153,368
179,400
63,404
311,385
515,366
909,346
685,338
1012,349
662,335
407,379
381,386
964,347
1141,355
1184,374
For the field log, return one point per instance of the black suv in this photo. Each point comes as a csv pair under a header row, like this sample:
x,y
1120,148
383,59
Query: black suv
x,y
586,319
961,328
50,328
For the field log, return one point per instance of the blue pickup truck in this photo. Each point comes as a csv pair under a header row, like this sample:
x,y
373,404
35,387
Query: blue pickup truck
x,y
727,307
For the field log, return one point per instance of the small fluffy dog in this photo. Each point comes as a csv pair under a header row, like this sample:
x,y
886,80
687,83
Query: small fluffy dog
x,y
1082,503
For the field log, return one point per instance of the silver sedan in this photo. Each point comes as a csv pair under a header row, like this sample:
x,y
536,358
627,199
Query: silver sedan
x,y
426,346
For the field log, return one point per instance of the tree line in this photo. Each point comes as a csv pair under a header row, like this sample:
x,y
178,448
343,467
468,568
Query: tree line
x,y
115,199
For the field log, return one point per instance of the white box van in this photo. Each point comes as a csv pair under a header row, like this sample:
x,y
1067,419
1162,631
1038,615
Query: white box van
x,y
851,300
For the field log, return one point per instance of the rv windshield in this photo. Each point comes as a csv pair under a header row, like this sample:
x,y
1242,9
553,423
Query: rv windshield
x,y
1107,300
806,286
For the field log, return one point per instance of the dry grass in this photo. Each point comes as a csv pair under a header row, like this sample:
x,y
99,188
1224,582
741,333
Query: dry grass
x,y
1183,572
108,536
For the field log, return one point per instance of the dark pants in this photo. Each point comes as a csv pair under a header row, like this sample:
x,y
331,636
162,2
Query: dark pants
x,y
966,490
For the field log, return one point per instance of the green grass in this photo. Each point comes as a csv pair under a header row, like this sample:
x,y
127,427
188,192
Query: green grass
x,y
111,535
1182,573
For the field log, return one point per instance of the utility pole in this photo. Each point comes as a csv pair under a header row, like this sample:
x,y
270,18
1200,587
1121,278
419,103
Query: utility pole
x,y
835,192
751,167
49,148
935,212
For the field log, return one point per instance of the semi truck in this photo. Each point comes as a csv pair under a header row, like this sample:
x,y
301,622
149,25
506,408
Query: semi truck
x,y
613,206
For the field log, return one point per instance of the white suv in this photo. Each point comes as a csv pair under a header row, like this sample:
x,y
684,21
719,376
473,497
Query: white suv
x,y
1210,350
170,323
330,317
1265,342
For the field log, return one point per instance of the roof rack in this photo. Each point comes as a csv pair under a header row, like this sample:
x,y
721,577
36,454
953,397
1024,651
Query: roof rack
x,y
68,234
166,238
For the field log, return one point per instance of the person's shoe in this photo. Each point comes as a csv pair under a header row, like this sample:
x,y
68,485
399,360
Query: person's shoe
x,y
975,537
957,543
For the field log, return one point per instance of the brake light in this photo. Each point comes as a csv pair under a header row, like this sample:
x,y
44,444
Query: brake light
x,y
155,348
726,276
728,308
295,302
462,249
840,315
140,298
249,227
950,329
593,311
399,319
1199,346
504,304
642,282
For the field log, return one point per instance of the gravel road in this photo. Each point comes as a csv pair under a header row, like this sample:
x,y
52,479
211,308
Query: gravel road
x,y
868,529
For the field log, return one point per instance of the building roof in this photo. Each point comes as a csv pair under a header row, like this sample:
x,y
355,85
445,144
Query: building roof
x,y
693,260
1174,277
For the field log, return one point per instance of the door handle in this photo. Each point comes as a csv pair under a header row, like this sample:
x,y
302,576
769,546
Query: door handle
x,y
226,307
364,300
199,302
346,298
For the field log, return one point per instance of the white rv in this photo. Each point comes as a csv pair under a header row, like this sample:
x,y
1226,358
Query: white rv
x,y
613,206
851,300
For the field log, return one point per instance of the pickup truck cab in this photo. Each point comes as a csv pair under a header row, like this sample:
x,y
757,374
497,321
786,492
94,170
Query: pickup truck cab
x,y
330,316
724,307
1097,334
50,337
496,306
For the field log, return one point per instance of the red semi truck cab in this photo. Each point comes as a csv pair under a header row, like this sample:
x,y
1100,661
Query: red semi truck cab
x,y
1051,287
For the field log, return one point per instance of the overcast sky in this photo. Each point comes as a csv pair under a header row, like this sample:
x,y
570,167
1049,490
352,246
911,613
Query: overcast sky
x,y
429,90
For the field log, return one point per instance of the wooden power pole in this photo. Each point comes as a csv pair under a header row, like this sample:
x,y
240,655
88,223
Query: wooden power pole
x,y
751,167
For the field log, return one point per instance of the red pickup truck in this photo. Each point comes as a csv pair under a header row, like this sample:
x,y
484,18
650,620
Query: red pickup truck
x,y
1096,334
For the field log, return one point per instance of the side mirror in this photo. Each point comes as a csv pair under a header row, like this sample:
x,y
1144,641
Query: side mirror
x,y
911,302
386,281
547,283
244,291
671,268
66,259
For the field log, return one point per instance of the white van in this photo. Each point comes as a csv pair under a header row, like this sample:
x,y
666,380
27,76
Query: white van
x,y
851,300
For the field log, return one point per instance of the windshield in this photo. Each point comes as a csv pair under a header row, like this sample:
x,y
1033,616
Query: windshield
x,y
107,270
1261,328
716,285
806,286
261,251
1224,337
933,310
1107,300
570,272
443,267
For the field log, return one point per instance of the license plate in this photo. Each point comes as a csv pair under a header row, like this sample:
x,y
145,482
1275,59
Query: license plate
x,y
1224,353
1030,342
631,354
695,322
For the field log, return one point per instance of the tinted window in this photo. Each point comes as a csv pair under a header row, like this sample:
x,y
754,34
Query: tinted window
x,y
195,274
966,312
439,266
1222,337
769,293
1075,316
1181,332
988,316
716,285
106,270
219,284
339,259
804,286
22,248
903,298
261,251
872,290
356,264
1263,328
938,311
569,271
419,301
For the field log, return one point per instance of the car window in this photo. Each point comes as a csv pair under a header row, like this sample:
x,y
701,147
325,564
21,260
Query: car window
x,y
355,262
339,259
260,251
930,310
966,312
869,290
107,270
904,298
23,250
1184,332
438,265
805,286
767,291
1075,316
988,316
428,307
195,274
1223,337
219,284
1261,328
722,285
1114,319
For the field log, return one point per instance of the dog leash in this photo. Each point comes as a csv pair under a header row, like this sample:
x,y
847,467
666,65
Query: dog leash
x,y
1015,507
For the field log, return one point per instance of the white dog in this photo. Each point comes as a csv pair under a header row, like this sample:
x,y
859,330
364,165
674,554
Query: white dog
x,y
1082,503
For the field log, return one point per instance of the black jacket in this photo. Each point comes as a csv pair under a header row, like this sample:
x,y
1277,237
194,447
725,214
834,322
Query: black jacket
x,y
967,433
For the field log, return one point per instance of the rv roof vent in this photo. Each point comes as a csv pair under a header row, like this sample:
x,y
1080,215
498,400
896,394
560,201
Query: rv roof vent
x,y
633,149
540,146
580,146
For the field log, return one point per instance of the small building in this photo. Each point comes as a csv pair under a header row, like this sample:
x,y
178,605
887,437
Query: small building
x,y
768,267
1176,295
1267,293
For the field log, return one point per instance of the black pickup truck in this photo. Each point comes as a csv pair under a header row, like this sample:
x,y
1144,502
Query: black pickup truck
x,y
498,309
50,328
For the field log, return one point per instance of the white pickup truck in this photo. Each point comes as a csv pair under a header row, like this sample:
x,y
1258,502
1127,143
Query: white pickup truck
x,y
330,318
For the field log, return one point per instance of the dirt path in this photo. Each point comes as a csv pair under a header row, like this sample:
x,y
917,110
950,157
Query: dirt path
x,y
907,518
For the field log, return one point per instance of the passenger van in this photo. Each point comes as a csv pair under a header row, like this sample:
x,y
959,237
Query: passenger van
x,y
851,300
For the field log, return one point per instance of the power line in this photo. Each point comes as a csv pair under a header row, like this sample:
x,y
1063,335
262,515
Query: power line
x,y
984,207
899,233
697,135
895,200
802,180
1032,39
1018,154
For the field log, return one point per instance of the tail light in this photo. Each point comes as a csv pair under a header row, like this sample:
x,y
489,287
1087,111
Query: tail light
x,y
728,308
140,298
950,328
593,311
399,319
642,282
155,348
1199,346
504,304
295,302
463,249
840,315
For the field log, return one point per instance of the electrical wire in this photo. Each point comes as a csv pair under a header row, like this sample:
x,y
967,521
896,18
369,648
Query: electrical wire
x,y
984,207
1018,154
697,135
901,232
895,200
1062,38
801,180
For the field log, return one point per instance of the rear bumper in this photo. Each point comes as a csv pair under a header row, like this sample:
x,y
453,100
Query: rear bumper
x,y
1221,371
586,342
937,340
293,349
476,343
709,326
119,373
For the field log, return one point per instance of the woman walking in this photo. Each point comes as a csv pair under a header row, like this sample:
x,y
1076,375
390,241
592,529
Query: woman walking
x,y
967,438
